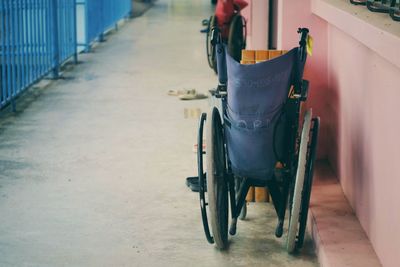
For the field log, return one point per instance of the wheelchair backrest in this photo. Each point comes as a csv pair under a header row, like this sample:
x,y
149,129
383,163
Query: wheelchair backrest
x,y
253,108
258,91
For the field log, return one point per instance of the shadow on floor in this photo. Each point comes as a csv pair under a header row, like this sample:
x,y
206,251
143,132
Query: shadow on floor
x,y
141,6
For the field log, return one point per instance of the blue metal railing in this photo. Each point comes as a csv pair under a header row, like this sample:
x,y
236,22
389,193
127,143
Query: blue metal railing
x,y
100,16
36,37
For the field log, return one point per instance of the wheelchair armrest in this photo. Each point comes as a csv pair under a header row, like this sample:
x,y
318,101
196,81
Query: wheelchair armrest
x,y
304,90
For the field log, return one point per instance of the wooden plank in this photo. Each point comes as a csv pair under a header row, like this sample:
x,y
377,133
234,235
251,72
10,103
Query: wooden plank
x,y
261,194
250,195
274,53
262,55
248,55
247,62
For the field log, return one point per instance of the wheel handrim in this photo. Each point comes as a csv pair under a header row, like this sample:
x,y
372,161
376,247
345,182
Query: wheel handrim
x,y
202,180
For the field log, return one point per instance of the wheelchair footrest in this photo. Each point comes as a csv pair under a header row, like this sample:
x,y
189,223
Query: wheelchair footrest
x,y
193,184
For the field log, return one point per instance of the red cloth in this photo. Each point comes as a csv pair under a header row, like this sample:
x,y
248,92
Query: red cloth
x,y
224,12
240,4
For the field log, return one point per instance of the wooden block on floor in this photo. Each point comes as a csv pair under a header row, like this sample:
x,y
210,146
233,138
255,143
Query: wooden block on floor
x,y
247,62
248,55
261,194
262,55
257,56
250,195
274,53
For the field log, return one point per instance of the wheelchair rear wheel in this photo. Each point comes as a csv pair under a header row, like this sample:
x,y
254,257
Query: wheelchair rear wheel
x,y
237,38
305,199
217,186
210,50
298,184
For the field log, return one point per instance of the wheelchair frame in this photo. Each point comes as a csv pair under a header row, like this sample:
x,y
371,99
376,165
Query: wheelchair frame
x,y
291,184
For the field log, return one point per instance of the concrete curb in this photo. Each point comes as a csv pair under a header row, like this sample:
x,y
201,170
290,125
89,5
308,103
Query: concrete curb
x,y
337,234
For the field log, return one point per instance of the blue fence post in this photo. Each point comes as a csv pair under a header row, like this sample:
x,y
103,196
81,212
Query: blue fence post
x,y
101,16
130,14
87,27
36,38
75,34
56,41
2,55
101,20
12,66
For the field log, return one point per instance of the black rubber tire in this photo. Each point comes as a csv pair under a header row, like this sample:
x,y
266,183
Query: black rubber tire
x,y
294,214
236,38
217,186
308,180
210,51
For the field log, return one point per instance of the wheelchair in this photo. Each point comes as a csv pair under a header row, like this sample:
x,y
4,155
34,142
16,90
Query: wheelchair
x,y
256,138
233,35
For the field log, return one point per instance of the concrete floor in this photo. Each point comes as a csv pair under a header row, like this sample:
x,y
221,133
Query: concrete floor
x,y
92,167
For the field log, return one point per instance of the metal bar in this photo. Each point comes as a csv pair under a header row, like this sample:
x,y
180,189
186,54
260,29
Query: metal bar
x,y
27,44
7,49
36,37
279,200
35,15
101,16
232,193
13,45
75,33
2,51
49,35
56,44
241,197
41,36
21,44
240,201
277,197
17,49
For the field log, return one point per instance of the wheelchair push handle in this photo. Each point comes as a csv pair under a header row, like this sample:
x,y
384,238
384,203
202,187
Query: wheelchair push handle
x,y
215,36
303,42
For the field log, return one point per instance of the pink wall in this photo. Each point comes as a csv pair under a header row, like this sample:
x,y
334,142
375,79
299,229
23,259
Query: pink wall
x,y
257,10
355,91
369,139
289,20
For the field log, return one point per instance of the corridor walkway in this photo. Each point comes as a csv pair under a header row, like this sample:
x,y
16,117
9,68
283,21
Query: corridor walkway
x,y
93,167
